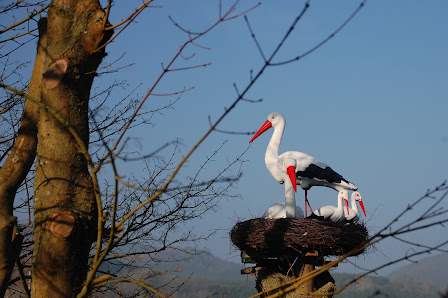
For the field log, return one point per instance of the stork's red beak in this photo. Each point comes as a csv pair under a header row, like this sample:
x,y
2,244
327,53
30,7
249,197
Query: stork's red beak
x,y
262,129
292,176
362,207
346,204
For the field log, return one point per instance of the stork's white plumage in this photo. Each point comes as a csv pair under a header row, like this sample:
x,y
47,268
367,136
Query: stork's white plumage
x,y
309,171
332,213
353,212
278,210
288,209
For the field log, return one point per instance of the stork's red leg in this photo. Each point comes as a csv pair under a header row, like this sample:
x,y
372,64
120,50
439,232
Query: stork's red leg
x,y
309,205
306,207
311,209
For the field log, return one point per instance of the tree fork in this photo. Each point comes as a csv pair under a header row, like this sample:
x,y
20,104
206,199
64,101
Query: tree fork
x,y
65,213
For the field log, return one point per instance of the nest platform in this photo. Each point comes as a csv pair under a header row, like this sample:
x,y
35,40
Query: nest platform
x,y
288,248
263,238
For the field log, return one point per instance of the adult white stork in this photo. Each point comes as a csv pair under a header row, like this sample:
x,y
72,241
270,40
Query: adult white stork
x,y
332,213
352,214
287,209
309,171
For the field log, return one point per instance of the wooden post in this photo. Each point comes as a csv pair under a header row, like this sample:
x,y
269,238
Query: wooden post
x,y
309,285
269,276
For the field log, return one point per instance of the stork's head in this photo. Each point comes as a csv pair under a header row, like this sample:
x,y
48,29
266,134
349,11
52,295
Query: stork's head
x,y
358,198
274,119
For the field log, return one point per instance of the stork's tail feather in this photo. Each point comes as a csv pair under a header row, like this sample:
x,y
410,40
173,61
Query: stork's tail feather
x,y
348,185
353,187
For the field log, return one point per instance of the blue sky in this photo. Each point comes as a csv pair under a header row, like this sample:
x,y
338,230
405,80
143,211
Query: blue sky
x,y
372,102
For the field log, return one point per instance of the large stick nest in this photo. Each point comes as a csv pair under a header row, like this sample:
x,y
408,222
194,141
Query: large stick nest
x,y
264,237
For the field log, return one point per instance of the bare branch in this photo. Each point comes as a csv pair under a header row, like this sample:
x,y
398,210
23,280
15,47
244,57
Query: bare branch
x,y
333,34
35,13
252,34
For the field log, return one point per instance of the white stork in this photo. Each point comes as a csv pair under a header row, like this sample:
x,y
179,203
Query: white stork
x,y
332,213
352,214
309,171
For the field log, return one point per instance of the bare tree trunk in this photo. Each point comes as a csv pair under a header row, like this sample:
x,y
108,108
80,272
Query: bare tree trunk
x,y
17,166
64,209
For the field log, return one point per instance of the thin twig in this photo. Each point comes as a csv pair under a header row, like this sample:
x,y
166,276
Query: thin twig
x,y
22,276
129,20
333,34
24,20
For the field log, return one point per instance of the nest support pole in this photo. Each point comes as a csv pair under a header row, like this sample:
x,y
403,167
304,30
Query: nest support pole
x,y
277,274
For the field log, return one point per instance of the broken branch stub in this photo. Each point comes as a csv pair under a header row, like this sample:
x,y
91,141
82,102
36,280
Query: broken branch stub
x,y
60,223
53,76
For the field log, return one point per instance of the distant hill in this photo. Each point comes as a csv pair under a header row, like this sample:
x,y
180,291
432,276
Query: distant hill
x,y
209,276
203,275
434,269
204,264
206,275
377,286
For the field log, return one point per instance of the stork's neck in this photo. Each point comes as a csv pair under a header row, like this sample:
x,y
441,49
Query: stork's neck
x,y
354,205
271,155
290,200
340,203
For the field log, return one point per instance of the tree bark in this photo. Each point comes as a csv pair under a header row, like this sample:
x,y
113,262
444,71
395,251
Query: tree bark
x,y
64,208
17,166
